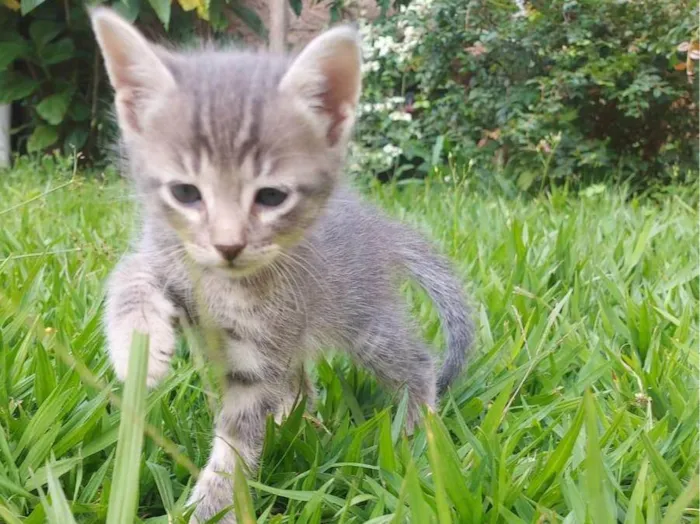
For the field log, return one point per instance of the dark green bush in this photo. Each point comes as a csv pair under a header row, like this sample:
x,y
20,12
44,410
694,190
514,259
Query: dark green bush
x,y
50,68
567,89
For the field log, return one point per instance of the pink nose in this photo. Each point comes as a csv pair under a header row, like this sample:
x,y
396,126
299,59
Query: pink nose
x,y
230,252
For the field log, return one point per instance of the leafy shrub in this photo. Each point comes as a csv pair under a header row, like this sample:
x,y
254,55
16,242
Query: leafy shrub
x,y
50,67
575,89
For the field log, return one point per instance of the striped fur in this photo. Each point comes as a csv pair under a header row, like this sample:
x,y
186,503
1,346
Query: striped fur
x,y
321,270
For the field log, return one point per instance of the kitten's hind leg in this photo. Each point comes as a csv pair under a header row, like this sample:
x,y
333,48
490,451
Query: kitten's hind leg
x,y
390,349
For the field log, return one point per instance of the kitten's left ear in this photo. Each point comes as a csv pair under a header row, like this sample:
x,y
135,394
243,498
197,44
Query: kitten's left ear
x,y
325,81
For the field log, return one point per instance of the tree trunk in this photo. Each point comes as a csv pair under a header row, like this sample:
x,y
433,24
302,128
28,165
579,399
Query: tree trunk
x,y
279,21
5,123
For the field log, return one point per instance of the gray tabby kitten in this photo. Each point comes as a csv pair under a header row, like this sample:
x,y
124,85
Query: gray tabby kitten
x,y
237,159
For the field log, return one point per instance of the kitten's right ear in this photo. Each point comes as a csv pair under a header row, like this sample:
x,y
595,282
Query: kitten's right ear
x,y
136,72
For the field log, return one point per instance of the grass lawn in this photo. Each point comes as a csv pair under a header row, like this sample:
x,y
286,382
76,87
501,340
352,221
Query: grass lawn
x,y
580,404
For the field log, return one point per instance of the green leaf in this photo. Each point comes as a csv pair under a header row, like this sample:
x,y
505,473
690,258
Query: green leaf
x,y
53,108
79,111
11,50
162,9
58,52
436,155
29,5
128,9
75,140
526,179
250,18
123,499
41,138
14,86
43,31
296,6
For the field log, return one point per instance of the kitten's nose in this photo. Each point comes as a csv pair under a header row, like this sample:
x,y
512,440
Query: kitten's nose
x,y
229,252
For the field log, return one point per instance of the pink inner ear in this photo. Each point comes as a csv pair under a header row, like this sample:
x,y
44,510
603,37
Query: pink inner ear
x,y
341,73
332,100
128,108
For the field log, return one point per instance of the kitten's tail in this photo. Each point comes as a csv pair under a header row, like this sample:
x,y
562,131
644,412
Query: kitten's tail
x,y
434,274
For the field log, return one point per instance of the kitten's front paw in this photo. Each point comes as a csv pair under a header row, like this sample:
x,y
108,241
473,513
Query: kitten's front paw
x,y
154,319
212,494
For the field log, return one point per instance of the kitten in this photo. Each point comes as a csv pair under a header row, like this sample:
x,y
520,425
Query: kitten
x,y
248,226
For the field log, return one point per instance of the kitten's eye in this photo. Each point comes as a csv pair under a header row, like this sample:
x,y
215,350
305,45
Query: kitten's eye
x,y
270,197
186,193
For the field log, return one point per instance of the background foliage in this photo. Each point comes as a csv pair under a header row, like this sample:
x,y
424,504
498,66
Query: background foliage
x,y
51,70
573,90
568,89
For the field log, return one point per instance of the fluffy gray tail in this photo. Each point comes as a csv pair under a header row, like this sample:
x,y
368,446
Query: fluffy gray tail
x,y
434,274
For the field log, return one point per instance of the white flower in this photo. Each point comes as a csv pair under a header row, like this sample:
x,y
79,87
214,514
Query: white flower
x,y
384,45
400,116
391,150
420,7
363,109
371,66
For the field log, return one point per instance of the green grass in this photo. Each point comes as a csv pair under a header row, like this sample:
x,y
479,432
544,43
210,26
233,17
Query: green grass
x,y
580,404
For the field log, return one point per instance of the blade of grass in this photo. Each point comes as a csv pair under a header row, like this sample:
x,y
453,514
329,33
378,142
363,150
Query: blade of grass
x,y
634,510
559,457
164,485
59,512
8,517
438,469
242,501
675,511
387,460
598,490
123,499
661,468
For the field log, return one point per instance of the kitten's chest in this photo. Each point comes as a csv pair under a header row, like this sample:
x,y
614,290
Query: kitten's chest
x,y
233,307
258,331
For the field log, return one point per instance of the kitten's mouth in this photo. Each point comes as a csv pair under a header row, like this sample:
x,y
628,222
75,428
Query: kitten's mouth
x,y
242,266
240,269
237,270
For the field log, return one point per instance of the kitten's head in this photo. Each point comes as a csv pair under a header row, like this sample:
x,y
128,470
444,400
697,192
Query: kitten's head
x,y
237,151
